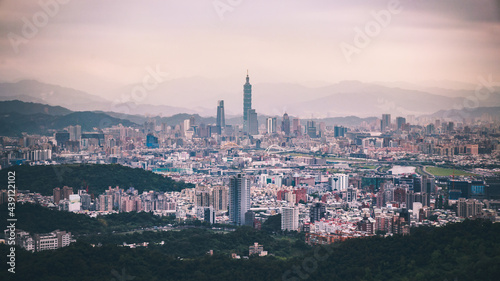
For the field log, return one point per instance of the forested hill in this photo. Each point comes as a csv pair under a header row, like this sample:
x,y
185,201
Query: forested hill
x,y
15,124
463,251
44,179
16,106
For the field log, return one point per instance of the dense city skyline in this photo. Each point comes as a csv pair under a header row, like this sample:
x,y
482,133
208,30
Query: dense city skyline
x,y
250,140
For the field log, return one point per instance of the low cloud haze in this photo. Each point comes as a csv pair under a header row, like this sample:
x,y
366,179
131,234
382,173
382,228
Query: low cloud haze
x,y
103,47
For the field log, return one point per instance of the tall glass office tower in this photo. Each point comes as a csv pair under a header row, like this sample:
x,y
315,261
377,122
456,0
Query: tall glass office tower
x,y
239,198
247,103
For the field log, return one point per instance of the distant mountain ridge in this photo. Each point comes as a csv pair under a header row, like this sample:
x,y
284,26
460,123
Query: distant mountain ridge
x,y
76,100
17,117
34,91
460,115
31,108
197,95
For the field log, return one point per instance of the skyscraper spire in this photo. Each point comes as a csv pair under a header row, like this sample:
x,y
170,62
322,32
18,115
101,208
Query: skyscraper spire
x,y
247,102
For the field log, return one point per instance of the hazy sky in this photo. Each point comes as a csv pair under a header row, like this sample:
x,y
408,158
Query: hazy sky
x,y
101,45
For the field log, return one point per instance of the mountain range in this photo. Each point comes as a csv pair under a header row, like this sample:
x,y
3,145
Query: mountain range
x,y
199,96
18,117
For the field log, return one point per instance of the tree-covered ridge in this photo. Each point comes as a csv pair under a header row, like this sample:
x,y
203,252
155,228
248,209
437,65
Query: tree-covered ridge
x,y
196,242
111,229
44,178
38,219
21,107
464,251
14,124
461,251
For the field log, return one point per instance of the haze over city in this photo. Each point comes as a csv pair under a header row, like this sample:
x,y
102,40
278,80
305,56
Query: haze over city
x,y
292,49
250,140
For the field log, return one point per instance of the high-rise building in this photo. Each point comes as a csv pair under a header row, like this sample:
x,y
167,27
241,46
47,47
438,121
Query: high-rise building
x,y
149,126
365,225
202,198
290,218
66,192
385,123
239,198
311,129
430,129
209,215
86,201
56,192
75,133
317,212
151,141
321,128
271,125
351,194
249,218
339,131
247,104
62,138
74,203
187,124
339,182
219,195
253,123
451,126
400,121
296,128
221,119
467,208
105,202
285,124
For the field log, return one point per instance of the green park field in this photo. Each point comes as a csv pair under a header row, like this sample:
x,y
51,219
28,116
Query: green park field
x,y
442,172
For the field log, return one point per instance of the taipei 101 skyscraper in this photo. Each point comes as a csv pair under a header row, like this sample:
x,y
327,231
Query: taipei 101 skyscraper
x,y
247,103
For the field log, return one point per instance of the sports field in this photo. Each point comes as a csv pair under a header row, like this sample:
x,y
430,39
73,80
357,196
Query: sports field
x,y
441,172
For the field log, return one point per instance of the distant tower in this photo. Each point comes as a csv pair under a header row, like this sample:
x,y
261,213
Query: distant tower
x,y
317,212
239,198
311,129
385,123
400,121
247,103
271,125
296,127
221,119
285,125
253,123
290,218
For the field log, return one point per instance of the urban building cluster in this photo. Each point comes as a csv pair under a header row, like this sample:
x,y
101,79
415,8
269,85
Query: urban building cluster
x,y
332,182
